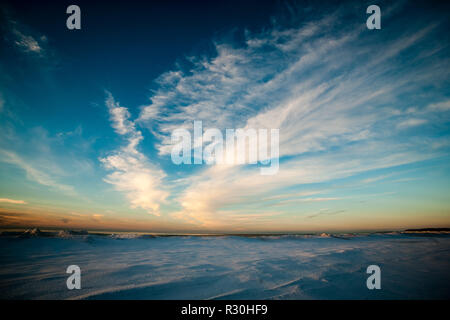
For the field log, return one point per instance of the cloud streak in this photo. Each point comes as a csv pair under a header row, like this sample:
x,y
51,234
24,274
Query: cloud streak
x,y
12,201
27,43
33,173
132,172
328,90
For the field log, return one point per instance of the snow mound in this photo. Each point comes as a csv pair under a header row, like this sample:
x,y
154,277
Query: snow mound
x,y
71,233
325,235
35,232
124,236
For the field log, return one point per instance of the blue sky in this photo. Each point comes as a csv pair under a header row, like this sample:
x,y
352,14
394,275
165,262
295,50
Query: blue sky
x,y
86,115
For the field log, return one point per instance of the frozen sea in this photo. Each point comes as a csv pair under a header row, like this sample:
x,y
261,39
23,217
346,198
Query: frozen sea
x,y
127,266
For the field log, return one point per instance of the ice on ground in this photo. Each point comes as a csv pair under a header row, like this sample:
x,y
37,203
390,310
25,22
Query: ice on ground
x,y
267,267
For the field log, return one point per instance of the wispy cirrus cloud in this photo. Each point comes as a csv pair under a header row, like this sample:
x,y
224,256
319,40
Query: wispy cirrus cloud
x,y
56,161
411,123
439,106
27,43
210,192
325,212
33,173
133,173
333,94
276,79
25,40
12,201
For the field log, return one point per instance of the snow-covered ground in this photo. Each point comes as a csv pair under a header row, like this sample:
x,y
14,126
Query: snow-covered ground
x,y
229,267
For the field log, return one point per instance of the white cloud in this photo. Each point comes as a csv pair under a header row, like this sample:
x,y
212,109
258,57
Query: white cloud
x,y
411,123
120,117
333,95
307,86
27,43
6,200
330,97
33,173
97,217
378,178
25,38
133,173
219,187
440,106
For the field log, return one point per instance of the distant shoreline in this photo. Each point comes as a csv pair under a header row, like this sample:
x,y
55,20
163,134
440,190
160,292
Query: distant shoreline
x,y
139,234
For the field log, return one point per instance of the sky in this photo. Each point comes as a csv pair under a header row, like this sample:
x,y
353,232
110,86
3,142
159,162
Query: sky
x,y
86,116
